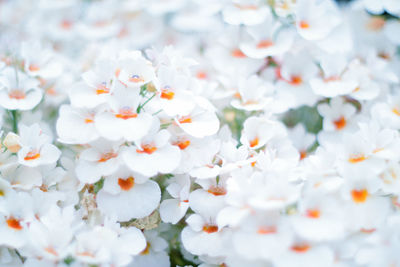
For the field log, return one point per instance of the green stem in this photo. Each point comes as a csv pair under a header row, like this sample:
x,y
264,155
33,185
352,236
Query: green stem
x,y
14,115
141,106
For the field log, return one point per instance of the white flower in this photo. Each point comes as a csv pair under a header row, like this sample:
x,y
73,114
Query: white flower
x,y
258,131
18,91
40,61
101,159
172,210
267,39
97,86
201,121
135,70
173,93
76,126
154,255
121,121
316,19
246,12
253,94
153,153
124,188
36,149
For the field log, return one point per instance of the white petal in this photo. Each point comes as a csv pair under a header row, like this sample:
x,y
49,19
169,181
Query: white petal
x,y
138,202
172,210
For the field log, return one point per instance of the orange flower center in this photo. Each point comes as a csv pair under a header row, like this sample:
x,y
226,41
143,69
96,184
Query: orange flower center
x,y
300,248
126,113
313,213
51,251
332,79
357,159
217,191
264,44
303,154
304,24
384,55
166,93
254,142
89,120
396,111
146,249
246,7
102,89
340,123
117,72
66,24
34,154
126,184
136,79
359,196
14,223
265,230
107,156
51,91
148,149
367,231
238,53
296,80
237,95
185,119
376,23
201,75
17,94
209,229
182,144
85,254
33,67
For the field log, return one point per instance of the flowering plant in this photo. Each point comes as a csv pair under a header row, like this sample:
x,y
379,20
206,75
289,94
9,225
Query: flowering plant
x,y
199,133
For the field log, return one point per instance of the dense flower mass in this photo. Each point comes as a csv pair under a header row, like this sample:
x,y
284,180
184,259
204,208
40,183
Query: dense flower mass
x,y
225,133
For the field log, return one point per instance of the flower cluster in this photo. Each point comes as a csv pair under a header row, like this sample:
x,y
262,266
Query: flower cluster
x,y
199,133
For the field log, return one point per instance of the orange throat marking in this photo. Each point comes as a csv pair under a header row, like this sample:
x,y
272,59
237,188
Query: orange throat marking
x,y
126,113
102,89
167,94
148,149
359,196
304,24
237,53
264,44
17,94
265,230
106,156
217,191
340,123
296,80
32,155
254,142
14,224
146,249
126,184
185,119
183,144
313,213
300,248
33,67
51,250
209,229
357,159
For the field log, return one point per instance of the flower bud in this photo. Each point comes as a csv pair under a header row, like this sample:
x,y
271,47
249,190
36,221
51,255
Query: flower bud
x,y
12,142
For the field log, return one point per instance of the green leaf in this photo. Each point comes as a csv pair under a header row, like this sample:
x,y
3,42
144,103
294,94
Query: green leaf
x,y
68,260
98,186
308,116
